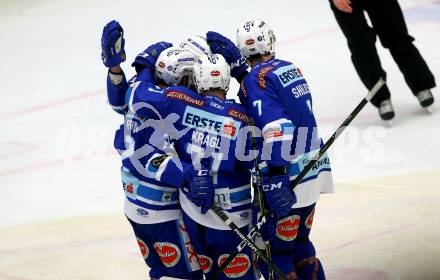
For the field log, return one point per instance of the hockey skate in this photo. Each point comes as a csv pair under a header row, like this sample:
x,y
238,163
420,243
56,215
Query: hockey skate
x,y
426,99
386,111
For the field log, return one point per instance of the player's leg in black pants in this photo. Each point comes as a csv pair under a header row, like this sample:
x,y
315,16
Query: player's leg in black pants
x,y
389,24
361,42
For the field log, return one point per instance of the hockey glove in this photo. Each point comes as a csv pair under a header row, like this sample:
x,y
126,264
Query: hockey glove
x,y
278,195
219,44
269,228
112,44
201,190
149,56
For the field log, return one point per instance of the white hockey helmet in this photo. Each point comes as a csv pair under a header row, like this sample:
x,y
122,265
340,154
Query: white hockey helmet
x,y
255,37
197,45
211,72
173,64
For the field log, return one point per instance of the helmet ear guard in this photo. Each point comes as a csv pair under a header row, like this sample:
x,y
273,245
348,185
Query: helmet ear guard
x,y
211,72
173,64
255,37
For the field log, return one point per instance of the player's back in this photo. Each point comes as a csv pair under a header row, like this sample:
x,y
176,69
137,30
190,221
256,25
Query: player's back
x,y
277,90
278,97
206,130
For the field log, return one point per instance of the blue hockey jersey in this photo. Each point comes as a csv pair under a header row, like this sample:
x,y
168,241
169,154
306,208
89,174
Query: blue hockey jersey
x,y
147,200
278,98
207,132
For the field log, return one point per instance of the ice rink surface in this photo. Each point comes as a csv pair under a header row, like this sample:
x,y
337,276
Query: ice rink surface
x,y
61,198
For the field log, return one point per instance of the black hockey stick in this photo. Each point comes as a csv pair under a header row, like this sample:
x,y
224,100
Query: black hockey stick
x,y
312,162
259,191
259,196
338,132
219,212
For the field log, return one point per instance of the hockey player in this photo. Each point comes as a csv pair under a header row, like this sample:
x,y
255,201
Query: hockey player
x,y
278,97
206,168
151,206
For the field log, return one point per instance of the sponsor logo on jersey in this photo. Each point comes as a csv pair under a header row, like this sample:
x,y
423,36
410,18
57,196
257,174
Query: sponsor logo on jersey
x,y
243,90
229,129
220,125
245,215
142,212
262,76
273,132
161,64
238,267
250,42
215,73
287,228
309,221
238,115
168,253
222,198
205,263
215,105
166,196
128,187
325,162
144,249
288,75
185,97
281,129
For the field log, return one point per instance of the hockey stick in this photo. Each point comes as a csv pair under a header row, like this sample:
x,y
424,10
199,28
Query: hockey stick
x,y
219,212
312,162
259,186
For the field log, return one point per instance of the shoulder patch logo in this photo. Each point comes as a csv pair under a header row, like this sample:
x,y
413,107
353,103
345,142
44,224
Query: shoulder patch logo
x,y
262,76
185,98
238,115
168,253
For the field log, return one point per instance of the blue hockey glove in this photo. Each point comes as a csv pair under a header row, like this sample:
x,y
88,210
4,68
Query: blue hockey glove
x,y
149,56
219,44
278,195
112,44
269,228
201,190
